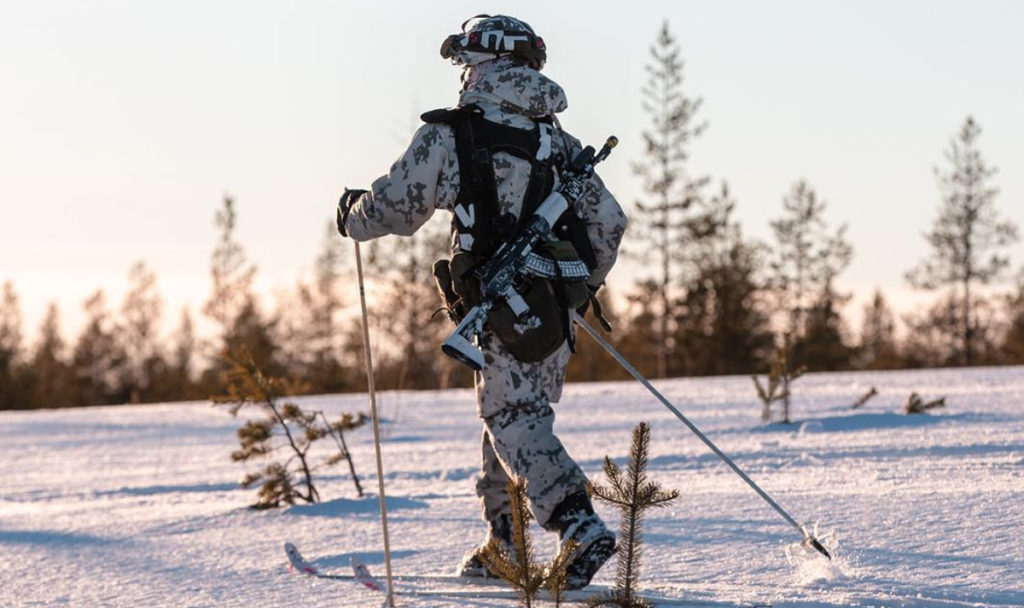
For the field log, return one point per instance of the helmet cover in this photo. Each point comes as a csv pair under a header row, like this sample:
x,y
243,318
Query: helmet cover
x,y
489,37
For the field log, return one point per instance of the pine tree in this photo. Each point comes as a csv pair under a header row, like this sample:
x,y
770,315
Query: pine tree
x,y
806,260
284,427
722,327
12,390
139,327
520,568
967,238
807,257
173,379
319,304
639,331
1012,348
48,375
671,220
404,265
823,346
931,334
231,273
633,494
777,387
98,360
878,348
234,308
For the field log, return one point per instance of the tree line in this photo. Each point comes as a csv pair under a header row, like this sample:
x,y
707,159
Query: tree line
x,y
715,302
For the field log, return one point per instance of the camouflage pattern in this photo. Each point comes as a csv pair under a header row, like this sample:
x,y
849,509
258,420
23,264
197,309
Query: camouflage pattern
x,y
514,398
493,35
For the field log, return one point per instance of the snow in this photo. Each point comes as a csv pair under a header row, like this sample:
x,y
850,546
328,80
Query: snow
x,y
139,505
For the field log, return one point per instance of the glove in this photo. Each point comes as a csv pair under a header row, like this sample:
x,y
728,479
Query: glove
x,y
348,198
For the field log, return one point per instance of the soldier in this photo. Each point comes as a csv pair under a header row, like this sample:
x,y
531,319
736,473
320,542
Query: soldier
x,y
490,162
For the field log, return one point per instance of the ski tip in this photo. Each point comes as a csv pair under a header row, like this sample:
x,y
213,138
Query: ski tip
x,y
363,576
297,562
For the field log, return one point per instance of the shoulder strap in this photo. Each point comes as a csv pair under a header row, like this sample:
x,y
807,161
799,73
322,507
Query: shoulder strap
x,y
478,219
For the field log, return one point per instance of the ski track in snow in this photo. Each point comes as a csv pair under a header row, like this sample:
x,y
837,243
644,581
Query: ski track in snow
x,y
138,506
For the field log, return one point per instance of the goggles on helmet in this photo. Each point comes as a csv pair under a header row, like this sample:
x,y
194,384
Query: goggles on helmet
x,y
497,35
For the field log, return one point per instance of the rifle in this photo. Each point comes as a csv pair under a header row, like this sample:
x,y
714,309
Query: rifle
x,y
514,260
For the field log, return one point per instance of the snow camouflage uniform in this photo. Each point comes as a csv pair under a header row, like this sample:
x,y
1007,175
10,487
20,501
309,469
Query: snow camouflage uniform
x,y
514,397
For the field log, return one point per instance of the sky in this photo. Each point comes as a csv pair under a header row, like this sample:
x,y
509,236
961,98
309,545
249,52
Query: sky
x,y
123,123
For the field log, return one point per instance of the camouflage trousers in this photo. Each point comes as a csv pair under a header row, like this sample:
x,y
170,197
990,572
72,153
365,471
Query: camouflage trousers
x,y
514,400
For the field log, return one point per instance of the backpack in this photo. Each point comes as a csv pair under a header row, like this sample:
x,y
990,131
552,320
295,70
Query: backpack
x,y
480,229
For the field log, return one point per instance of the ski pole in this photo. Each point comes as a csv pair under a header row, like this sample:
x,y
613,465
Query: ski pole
x,y
376,426
808,539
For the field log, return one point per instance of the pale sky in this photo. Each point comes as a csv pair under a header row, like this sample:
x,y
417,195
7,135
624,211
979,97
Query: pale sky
x,y
122,123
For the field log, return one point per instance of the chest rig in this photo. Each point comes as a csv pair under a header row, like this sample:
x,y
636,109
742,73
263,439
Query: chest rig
x,y
480,228
478,223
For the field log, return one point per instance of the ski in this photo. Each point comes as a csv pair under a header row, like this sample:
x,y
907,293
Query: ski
x,y
361,574
579,596
455,587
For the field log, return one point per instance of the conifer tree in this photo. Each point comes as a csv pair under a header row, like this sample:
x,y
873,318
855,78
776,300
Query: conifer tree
x,y
172,376
520,568
183,355
1013,341
139,326
823,346
807,257
98,358
12,393
320,303
878,349
231,273
967,239
232,305
633,494
671,219
285,432
932,334
806,260
640,329
48,375
722,326
410,299
777,387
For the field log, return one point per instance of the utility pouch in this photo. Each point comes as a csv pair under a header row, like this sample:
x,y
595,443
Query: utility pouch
x,y
453,304
530,339
549,298
575,293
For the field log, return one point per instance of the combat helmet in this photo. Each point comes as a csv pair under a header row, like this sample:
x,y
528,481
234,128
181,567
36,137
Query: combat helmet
x,y
488,37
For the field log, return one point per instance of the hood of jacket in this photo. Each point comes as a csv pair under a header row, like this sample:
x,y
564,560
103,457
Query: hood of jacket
x,y
508,92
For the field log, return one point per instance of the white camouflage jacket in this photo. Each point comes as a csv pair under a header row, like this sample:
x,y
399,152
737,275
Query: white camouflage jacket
x,y
426,177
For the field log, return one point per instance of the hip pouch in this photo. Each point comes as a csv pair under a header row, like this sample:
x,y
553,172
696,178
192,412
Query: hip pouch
x,y
550,299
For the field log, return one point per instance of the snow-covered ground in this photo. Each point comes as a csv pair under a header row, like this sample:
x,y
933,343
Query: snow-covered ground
x,y
139,506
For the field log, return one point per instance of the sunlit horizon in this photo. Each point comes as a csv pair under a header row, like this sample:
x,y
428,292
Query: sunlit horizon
x,y
124,124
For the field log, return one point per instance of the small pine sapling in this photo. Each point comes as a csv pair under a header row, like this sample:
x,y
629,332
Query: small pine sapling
x,y
518,568
916,405
633,494
284,427
864,398
780,377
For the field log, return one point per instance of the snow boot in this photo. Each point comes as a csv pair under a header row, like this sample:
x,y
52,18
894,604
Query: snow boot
x,y
575,521
472,564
